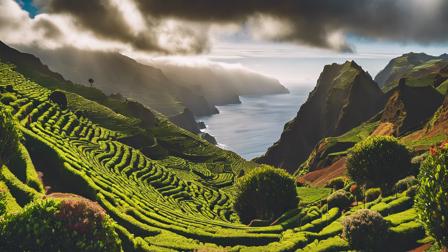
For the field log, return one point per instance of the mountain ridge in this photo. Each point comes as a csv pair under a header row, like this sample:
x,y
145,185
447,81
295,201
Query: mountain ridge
x,y
332,108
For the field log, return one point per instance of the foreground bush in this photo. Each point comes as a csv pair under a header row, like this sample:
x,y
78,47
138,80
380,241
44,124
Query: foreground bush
x,y
9,136
340,198
431,200
70,224
378,161
365,230
264,193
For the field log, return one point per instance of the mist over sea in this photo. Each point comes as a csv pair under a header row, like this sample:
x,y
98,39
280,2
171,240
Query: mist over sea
x,y
251,127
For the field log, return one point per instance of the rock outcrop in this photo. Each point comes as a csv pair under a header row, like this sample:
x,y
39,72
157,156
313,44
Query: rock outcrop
x,y
409,108
344,97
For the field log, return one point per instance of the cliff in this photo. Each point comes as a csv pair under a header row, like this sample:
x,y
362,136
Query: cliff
x,y
344,97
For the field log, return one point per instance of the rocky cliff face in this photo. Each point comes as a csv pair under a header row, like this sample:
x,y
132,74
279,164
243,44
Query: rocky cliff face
x,y
409,108
344,97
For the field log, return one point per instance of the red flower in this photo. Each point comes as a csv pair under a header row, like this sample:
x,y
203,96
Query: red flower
x,y
353,188
433,151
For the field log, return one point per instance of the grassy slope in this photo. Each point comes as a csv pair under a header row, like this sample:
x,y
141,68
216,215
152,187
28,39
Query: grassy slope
x,y
417,73
180,202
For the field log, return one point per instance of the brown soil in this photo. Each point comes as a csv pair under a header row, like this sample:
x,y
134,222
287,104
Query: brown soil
x,y
323,176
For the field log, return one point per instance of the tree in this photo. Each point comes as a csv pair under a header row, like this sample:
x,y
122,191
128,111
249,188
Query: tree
x,y
264,193
10,136
379,161
431,199
91,81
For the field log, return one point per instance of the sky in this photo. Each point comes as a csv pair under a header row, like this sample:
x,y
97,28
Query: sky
x,y
290,40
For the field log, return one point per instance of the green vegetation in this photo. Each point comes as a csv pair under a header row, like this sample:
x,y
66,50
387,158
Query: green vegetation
x,y
365,230
372,194
265,193
164,188
337,183
54,225
431,200
9,135
341,199
308,195
378,161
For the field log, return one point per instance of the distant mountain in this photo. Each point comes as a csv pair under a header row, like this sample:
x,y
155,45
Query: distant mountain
x,y
418,68
344,97
169,91
219,84
114,73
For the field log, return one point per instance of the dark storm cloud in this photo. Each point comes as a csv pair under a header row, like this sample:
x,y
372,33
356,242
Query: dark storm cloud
x,y
103,18
312,22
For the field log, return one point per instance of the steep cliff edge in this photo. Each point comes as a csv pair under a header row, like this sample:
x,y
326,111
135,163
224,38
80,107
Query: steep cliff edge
x,y
344,97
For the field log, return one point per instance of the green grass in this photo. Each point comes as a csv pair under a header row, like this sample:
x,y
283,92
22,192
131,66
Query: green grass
x,y
310,195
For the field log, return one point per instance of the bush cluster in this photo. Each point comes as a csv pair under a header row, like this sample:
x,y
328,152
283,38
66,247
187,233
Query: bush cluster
x,y
340,198
431,199
404,184
71,224
372,194
337,183
365,230
265,193
378,161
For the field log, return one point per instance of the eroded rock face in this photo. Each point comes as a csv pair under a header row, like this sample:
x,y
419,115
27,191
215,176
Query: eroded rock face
x,y
344,97
409,108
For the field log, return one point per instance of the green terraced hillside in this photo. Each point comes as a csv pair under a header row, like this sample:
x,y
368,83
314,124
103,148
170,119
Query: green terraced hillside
x,y
175,194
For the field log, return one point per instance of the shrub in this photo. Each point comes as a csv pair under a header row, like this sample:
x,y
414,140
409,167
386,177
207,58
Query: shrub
x,y
10,136
365,230
431,199
59,98
337,183
340,198
378,161
404,184
373,194
72,224
264,193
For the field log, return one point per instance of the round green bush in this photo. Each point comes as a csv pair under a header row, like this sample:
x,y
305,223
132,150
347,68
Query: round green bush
x,y
71,224
264,193
337,183
341,199
378,161
372,194
10,136
365,230
404,184
431,200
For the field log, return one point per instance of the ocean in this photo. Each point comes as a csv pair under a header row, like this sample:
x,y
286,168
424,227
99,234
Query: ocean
x,y
251,127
